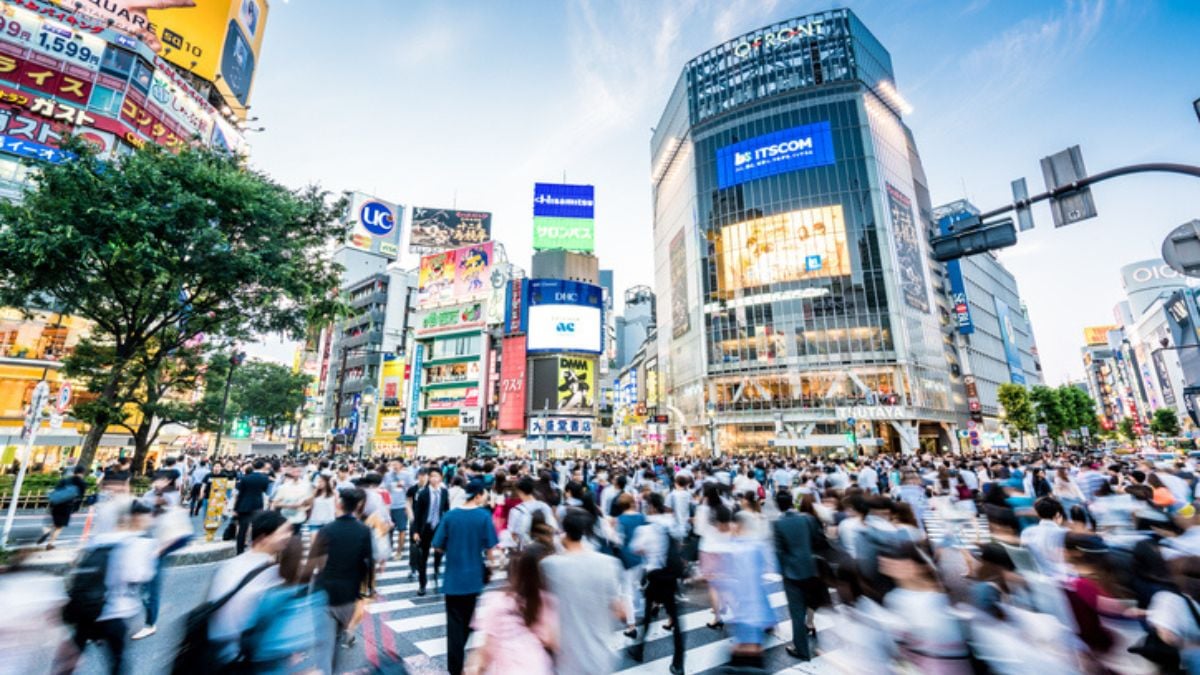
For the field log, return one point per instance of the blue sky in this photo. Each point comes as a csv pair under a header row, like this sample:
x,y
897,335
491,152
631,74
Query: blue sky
x,y
470,103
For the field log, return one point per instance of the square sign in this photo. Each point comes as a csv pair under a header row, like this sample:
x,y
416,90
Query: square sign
x,y
812,263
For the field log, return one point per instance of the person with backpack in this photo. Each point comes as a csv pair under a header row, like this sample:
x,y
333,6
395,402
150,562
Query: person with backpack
x,y
104,588
240,583
665,566
64,500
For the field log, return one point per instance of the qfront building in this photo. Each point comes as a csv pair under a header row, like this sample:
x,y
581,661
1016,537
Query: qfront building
x,y
791,219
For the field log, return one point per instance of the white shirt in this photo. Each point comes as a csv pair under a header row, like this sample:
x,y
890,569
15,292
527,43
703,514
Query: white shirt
x,y
969,479
1045,544
868,479
848,531
651,542
1169,611
679,501
130,564
293,493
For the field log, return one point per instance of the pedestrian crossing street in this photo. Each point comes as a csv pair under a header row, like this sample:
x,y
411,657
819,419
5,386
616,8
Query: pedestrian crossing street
x,y
414,629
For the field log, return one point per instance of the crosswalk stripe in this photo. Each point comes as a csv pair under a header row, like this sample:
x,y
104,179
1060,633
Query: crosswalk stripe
x,y
389,606
413,586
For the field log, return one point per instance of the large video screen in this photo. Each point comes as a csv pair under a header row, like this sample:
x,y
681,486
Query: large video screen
x,y
792,246
801,147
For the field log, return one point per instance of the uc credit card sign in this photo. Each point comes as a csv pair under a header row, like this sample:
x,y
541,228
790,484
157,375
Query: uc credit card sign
x,y
801,147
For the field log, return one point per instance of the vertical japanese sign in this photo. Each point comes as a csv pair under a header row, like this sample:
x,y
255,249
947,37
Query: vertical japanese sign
x,y
414,394
512,384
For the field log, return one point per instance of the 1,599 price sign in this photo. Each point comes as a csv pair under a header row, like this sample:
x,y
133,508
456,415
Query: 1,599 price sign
x,y
22,27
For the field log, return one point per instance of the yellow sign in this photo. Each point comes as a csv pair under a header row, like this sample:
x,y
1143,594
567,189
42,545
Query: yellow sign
x,y
218,490
219,40
1097,335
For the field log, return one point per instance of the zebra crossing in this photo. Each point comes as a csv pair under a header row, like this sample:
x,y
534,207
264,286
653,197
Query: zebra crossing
x,y
413,628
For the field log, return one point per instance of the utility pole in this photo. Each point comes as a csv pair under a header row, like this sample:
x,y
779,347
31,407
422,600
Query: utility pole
x,y
337,406
235,359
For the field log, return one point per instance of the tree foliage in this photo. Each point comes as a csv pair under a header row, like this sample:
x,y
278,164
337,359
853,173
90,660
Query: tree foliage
x,y
160,250
1018,409
1079,409
1126,429
266,393
1049,410
1165,422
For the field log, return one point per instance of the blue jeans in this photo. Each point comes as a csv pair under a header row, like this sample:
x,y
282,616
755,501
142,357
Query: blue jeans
x,y
153,591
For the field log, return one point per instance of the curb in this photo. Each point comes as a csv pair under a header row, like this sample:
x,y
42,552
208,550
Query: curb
x,y
60,561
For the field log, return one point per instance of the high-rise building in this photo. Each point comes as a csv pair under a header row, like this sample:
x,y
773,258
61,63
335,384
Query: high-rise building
x,y
636,323
990,330
791,220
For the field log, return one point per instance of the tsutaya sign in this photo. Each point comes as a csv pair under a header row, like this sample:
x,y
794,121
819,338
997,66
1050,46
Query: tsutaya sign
x,y
874,412
769,39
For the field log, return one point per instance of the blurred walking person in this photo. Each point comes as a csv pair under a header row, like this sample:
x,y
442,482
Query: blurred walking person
x,y
797,537
586,585
342,561
465,535
429,508
65,499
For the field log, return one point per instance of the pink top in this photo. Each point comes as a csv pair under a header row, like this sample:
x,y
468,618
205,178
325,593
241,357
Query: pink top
x,y
513,647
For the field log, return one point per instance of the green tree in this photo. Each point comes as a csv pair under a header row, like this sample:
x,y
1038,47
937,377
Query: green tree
x,y
268,393
1165,422
1079,409
158,249
1048,410
156,392
1018,410
1126,429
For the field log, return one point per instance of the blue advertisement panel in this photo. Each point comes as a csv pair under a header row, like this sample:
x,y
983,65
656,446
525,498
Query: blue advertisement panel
x,y
414,398
557,200
801,147
564,316
958,288
1012,354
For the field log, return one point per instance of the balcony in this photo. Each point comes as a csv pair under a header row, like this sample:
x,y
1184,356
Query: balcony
x,y
369,338
373,298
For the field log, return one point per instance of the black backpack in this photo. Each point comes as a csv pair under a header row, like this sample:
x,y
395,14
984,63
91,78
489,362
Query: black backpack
x,y
674,564
87,586
196,654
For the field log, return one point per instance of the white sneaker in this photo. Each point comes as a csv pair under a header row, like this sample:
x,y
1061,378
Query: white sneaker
x,y
144,633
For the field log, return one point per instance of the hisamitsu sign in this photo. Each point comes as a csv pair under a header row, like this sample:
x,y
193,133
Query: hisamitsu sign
x,y
801,147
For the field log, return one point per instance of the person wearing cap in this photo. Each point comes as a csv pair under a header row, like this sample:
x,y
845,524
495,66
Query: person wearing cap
x,y
464,536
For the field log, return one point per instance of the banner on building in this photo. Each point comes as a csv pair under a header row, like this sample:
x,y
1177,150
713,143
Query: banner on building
x,y
681,312
512,384
1008,336
563,217
457,275
434,230
908,239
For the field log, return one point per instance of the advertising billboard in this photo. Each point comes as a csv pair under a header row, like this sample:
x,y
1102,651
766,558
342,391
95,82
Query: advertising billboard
x,y
411,425
561,426
564,316
801,147
434,230
792,246
512,384
681,313
514,306
908,250
454,276
390,417
450,319
1012,353
1145,281
958,288
217,40
563,217
576,384
55,39
375,225
1097,335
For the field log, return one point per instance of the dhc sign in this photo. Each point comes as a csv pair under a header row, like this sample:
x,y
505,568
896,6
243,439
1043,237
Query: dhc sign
x,y
779,152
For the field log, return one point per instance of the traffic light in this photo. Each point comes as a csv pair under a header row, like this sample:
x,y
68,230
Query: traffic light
x,y
970,236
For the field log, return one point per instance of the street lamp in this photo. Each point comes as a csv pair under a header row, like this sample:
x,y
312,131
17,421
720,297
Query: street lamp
x,y
711,411
367,402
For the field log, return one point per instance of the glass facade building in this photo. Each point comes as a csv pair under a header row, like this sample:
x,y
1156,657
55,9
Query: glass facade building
x,y
791,220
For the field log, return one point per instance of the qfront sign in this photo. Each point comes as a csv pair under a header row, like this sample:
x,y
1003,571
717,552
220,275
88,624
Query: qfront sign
x,y
801,147
774,38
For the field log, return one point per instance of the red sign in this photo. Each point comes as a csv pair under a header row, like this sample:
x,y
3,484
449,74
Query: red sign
x,y
48,79
512,384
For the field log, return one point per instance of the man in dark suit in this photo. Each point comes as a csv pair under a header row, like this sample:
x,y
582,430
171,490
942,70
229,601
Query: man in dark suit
x,y
797,536
430,506
343,560
251,498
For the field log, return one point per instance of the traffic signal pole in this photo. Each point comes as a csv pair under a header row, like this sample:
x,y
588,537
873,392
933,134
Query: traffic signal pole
x,y
1159,167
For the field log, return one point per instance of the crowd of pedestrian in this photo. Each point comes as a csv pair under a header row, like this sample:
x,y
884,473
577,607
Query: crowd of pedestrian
x,y
1089,562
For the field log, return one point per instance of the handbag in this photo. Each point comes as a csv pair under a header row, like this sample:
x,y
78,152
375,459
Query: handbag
x,y
230,533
